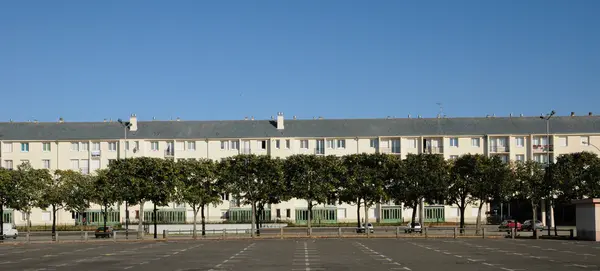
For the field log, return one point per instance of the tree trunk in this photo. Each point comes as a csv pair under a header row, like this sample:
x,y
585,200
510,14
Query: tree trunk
x,y
155,221
141,221
81,226
533,229
195,209
1,222
414,217
259,210
358,213
462,208
478,223
252,229
105,216
53,222
28,222
309,216
367,230
203,220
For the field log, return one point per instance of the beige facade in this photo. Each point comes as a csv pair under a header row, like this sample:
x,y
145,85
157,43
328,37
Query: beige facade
x,y
92,153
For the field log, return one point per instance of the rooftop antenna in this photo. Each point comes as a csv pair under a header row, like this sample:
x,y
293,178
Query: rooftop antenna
x,y
441,106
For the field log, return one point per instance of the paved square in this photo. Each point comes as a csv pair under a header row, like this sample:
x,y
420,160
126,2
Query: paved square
x,y
307,254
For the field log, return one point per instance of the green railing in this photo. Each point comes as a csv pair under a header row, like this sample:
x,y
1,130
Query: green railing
x,y
391,214
244,215
435,214
96,217
7,216
319,215
166,216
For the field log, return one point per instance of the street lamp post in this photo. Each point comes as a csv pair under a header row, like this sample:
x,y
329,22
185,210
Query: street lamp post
x,y
547,118
126,126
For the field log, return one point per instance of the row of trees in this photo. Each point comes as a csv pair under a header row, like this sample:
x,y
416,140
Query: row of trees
x,y
360,179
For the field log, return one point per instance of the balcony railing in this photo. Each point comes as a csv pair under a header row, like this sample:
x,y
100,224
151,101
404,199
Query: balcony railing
x,y
319,150
169,153
543,148
96,154
499,149
434,150
389,150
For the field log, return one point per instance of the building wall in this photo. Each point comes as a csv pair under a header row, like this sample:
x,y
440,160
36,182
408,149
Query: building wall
x,y
61,155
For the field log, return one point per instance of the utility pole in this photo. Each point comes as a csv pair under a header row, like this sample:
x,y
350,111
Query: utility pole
x,y
547,118
126,126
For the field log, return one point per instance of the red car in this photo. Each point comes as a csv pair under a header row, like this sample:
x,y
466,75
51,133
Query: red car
x,y
509,224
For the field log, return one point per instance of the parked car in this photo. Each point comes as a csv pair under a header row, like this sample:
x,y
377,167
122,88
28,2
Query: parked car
x,y
509,224
100,232
362,228
409,228
528,226
9,231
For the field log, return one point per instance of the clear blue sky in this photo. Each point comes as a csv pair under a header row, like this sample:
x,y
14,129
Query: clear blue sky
x,y
90,60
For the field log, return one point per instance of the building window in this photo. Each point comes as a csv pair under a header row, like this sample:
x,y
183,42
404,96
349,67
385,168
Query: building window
x,y
278,213
520,142
395,145
585,140
288,213
288,144
374,143
46,146
84,146
136,145
341,144
224,145
224,196
475,142
24,147
262,144
75,164
126,145
235,145
75,146
112,146
191,145
95,146
562,141
330,144
411,143
46,163
277,144
304,144
8,164
154,146
520,158
7,147
454,142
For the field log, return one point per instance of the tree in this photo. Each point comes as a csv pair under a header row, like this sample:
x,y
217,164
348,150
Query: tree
x,y
6,195
197,186
530,176
54,194
424,177
274,189
312,178
495,183
28,188
367,176
104,193
571,175
80,190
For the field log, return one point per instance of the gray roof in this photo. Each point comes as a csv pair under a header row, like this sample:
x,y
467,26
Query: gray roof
x,y
299,128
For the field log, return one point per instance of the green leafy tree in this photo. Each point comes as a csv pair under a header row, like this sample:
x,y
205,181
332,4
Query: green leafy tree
x,y
6,195
274,188
467,175
423,177
532,185
496,180
28,188
80,191
197,186
55,193
367,176
312,178
571,175
105,192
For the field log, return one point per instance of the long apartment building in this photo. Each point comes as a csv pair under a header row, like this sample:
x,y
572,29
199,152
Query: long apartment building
x,y
88,146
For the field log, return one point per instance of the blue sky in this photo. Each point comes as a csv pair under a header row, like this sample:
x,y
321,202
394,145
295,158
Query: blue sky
x,y
90,60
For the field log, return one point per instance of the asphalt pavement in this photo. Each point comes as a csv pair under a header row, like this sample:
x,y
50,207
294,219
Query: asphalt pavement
x,y
307,254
